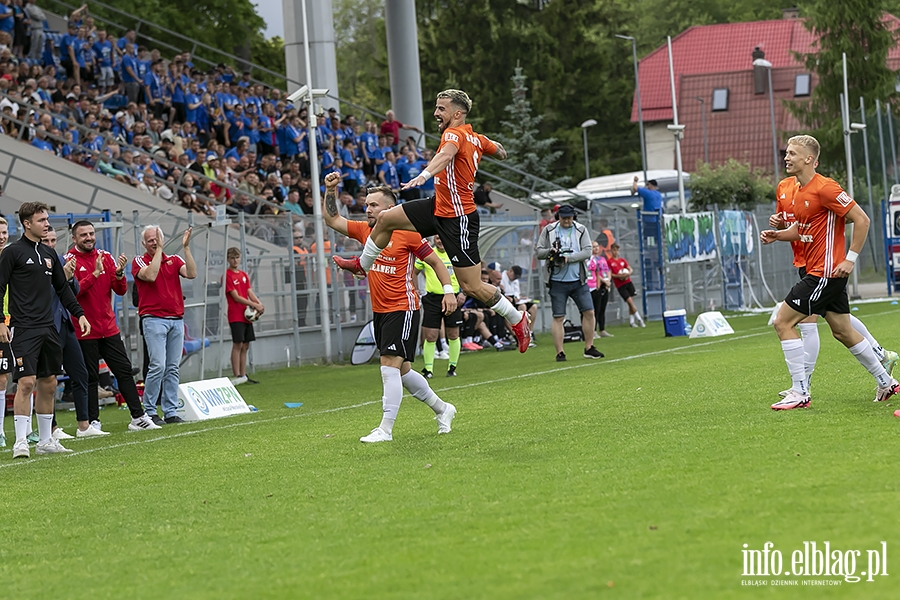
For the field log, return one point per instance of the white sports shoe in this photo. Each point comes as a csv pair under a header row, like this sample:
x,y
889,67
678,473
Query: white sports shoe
x,y
91,431
98,426
238,380
378,435
51,446
20,449
59,434
142,423
791,401
884,393
445,418
442,355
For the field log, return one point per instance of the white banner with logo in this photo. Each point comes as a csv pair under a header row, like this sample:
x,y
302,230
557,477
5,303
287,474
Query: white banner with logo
x,y
209,399
690,237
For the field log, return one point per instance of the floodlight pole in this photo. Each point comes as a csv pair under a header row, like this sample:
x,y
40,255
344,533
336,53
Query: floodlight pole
x,y
677,130
862,110
637,89
324,304
848,154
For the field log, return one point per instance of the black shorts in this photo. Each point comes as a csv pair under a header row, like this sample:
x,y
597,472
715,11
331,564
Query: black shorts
x,y
458,234
817,295
36,351
6,359
433,315
627,291
242,332
396,333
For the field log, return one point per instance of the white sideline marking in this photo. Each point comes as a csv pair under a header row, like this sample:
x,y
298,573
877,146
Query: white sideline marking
x,y
768,331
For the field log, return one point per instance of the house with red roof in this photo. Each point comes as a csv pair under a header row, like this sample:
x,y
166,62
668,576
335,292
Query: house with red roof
x,y
714,73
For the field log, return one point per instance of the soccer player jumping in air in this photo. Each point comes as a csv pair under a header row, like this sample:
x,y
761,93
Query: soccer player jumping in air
x,y
451,213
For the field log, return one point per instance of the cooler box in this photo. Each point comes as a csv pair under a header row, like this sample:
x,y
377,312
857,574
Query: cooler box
x,y
675,322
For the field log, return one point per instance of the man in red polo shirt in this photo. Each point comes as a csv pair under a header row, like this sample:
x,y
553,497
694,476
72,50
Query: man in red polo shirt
x,y
161,307
99,275
393,127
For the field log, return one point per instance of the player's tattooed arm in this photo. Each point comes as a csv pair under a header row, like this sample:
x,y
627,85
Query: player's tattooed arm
x,y
330,204
500,154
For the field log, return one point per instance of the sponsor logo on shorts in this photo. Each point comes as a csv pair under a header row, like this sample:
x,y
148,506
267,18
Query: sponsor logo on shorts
x,y
797,302
392,347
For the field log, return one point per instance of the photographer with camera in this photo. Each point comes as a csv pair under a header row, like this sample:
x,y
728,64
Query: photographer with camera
x,y
565,246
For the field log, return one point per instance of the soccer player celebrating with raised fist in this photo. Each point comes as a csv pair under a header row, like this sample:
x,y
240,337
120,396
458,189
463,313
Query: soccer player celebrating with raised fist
x,y
395,302
451,213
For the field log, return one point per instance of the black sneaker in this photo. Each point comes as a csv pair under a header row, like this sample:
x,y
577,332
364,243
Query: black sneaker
x,y
427,374
174,419
156,420
251,380
592,352
451,372
561,357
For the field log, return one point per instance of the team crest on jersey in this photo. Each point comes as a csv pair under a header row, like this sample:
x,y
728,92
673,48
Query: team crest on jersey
x,y
844,199
49,263
19,362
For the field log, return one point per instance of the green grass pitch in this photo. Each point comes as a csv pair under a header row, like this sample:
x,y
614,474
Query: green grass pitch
x,y
641,475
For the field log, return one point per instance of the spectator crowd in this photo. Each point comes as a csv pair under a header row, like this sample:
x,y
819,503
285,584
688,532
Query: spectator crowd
x,y
194,137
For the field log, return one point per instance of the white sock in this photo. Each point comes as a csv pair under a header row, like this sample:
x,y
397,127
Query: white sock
x,y
45,427
505,309
809,333
793,356
418,386
393,395
631,318
369,254
31,415
866,357
21,422
861,328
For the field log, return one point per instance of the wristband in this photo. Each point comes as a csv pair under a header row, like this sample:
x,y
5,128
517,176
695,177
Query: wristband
x,y
448,289
852,256
425,174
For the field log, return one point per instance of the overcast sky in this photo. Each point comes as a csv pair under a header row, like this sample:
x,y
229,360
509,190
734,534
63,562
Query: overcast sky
x,y
270,11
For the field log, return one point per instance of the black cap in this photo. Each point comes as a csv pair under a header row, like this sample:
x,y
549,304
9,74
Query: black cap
x,y
566,211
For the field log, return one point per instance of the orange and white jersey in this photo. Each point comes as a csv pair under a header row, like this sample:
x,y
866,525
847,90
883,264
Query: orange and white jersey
x,y
391,278
820,207
784,205
454,186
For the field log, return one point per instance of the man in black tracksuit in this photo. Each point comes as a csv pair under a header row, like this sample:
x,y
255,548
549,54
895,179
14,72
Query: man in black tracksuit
x,y
26,267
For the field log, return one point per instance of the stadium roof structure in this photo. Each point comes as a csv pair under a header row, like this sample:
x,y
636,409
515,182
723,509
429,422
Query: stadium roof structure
x,y
724,48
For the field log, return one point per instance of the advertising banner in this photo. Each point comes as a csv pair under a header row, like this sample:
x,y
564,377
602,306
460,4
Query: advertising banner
x,y
690,237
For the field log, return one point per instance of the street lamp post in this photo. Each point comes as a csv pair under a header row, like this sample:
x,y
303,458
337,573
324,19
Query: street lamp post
x,y
761,62
705,139
587,164
637,88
